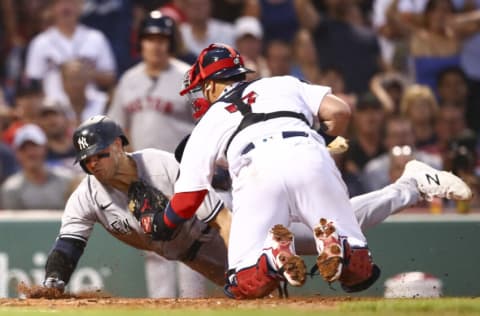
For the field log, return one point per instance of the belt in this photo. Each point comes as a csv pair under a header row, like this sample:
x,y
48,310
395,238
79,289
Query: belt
x,y
287,134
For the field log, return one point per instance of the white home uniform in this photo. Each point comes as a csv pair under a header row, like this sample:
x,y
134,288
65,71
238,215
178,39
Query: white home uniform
x,y
151,109
93,202
50,49
276,177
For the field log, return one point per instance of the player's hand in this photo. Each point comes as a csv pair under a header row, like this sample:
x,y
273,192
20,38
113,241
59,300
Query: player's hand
x,y
53,282
160,229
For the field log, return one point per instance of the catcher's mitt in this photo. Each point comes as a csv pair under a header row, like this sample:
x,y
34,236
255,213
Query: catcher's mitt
x,y
145,202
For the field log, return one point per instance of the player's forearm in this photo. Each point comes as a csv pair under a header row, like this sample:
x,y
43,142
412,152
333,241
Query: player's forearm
x,y
63,258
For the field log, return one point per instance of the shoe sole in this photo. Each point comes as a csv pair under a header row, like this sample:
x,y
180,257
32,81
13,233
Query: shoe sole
x,y
293,267
330,260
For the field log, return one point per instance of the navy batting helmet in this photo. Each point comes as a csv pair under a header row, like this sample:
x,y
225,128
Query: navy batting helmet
x,y
157,23
216,62
94,135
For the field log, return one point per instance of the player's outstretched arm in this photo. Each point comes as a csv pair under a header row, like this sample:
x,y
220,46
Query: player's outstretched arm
x,y
62,261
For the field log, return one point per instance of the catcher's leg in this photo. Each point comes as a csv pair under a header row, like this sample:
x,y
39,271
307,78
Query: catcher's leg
x,y
278,262
352,266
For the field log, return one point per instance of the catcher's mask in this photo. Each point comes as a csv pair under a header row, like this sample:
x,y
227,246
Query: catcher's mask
x,y
94,135
216,62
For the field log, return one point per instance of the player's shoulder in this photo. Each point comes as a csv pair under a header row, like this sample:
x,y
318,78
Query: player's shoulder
x,y
179,65
134,72
153,156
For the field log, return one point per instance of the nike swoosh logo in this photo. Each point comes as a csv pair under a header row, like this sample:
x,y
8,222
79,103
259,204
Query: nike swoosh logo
x,y
104,207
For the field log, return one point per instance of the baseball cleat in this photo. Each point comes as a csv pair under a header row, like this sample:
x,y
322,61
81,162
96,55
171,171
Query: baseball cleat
x,y
291,266
435,183
330,249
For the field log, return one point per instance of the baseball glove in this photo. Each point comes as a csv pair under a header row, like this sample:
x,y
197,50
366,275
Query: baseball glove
x,y
146,202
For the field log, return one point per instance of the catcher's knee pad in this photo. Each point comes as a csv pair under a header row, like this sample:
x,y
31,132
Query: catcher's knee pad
x,y
253,282
359,272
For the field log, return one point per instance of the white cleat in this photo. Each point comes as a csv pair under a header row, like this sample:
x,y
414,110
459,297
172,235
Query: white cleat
x,y
435,183
291,266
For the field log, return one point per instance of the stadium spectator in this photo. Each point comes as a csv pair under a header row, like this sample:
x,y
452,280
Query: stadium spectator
x,y
114,18
279,57
452,88
248,41
366,142
201,29
398,133
84,102
305,66
419,105
281,19
68,40
35,186
28,100
389,87
347,46
57,123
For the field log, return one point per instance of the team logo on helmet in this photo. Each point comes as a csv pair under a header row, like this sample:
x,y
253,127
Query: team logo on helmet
x,y
82,143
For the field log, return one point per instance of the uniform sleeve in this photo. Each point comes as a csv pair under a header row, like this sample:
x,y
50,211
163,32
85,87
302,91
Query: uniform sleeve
x,y
212,204
36,67
313,95
79,216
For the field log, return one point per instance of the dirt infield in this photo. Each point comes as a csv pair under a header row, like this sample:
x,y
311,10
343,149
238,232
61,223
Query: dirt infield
x,y
306,303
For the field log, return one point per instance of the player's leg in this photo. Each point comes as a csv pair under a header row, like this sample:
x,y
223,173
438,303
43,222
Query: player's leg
x,y
261,252
322,203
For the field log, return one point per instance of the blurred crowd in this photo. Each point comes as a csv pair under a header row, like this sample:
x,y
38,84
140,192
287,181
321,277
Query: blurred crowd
x,y
409,69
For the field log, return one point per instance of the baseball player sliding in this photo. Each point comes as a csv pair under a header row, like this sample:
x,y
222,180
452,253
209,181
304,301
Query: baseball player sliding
x,y
116,179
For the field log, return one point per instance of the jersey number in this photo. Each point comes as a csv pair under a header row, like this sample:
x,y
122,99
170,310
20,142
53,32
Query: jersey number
x,y
249,98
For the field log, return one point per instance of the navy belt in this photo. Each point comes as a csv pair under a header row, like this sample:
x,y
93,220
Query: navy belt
x,y
287,134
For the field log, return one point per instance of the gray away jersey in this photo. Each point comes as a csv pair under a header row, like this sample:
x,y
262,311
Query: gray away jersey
x,y
93,202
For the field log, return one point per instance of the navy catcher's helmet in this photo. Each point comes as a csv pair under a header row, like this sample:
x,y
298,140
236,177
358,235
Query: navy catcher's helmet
x,y
216,62
157,23
94,135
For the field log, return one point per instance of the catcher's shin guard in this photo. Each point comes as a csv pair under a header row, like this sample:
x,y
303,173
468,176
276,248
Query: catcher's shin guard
x,y
253,282
359,272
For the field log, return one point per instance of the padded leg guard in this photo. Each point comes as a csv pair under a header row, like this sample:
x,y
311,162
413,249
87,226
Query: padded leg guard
x,y
359,272
253,282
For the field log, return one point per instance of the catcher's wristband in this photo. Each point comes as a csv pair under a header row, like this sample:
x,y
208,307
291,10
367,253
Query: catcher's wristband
x,y
171,218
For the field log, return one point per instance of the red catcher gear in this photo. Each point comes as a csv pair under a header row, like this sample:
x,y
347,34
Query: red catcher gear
x,y
254,282
200,107
217,61
359,272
